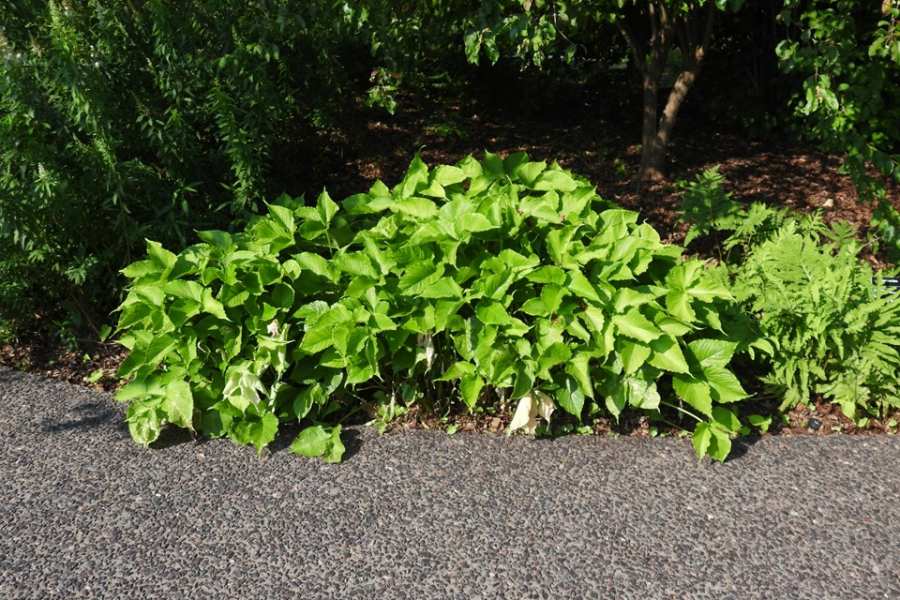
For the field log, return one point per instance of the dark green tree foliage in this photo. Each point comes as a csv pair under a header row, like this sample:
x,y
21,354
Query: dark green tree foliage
x,y
126,120
849,55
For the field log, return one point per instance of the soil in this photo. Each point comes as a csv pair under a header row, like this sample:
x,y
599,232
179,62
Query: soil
x,y
775,170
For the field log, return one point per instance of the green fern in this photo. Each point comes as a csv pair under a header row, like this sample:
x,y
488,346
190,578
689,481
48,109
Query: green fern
x,y
835,328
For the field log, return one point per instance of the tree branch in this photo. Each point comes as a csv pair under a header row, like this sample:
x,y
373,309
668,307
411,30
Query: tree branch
x,y
633,44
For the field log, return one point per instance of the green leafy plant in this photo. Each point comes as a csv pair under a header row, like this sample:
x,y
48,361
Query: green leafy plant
x,y
488,283
848,54
707,206
127,120
827,324
833,325
709,209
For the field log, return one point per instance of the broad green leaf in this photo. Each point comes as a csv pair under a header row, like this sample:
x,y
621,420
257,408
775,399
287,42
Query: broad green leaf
x,y
760,422
445,175
547,274
314,263
457,370
528,172
179,404
637,326
558,241
555,354
678,303
667,355
644,394
543,208
725,386
701,439
492,313
615,403
307,398
138,390
163,259
356,263
474,223
258,429
419,208
419,276
470,386
726,419
552,296
144,421
319,336
524,379
707,290
712,353
283,216
580,286
720,445
535,307
141,268
633,354
220,239
695,393
212,306
445,287
570,397
179,288
326,208
416,176
595,319
320,441
152,295
555,179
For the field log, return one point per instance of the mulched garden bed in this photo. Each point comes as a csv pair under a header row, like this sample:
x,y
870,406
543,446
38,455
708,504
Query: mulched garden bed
x,y
776,171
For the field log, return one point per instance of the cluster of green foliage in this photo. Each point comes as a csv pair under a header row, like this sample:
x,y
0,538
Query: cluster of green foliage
x,y
132,120
830,324
849,55
486,283
121,121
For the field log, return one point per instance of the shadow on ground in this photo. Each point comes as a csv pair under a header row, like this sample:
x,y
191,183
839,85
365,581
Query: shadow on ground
x,y
88,416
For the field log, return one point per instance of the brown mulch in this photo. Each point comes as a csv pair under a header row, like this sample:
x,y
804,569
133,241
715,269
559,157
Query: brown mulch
x,y
94,366
822,418
776,171
379,146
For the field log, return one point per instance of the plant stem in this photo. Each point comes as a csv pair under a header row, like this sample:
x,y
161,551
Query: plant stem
x,y
681,410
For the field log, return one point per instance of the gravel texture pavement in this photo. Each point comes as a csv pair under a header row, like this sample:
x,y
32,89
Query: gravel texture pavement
x,y
86,513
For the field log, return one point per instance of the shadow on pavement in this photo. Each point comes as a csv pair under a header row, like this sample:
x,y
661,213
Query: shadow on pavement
x,y
742,446
175,436
90,415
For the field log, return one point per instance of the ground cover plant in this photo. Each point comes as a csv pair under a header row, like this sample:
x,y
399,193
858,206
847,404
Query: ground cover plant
x,y
506,284
831,326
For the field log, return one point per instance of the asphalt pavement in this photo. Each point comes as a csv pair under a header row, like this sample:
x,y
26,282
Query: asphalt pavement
x,y
85,513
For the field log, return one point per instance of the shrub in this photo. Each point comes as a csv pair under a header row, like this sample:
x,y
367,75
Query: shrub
x,y
488,282
120,121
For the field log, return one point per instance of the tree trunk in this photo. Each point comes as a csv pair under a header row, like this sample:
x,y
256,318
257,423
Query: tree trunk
x,y
656,133
652,155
